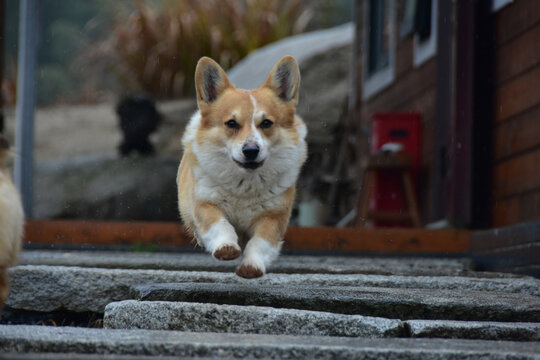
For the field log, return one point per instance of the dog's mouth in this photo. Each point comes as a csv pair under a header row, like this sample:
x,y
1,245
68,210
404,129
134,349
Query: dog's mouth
x,y
249,165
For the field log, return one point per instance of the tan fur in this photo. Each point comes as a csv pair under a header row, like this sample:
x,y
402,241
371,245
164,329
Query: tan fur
x,y
219,200
11,224
206,214
271,225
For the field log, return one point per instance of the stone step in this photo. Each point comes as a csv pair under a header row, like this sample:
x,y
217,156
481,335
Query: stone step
x,y
380,302
72,356
485,330
106,342
284,264
50,288
199,317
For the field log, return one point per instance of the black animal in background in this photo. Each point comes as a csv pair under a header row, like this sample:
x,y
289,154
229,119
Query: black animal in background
x,y
138,119
4,144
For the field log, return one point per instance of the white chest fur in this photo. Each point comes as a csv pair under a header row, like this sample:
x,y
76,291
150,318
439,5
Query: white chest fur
x,y
243,196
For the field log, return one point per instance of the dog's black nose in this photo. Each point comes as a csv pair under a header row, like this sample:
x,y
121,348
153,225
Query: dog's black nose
x,y
250,151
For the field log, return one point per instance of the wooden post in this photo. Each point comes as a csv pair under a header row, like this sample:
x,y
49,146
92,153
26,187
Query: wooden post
x,y
356,103
445,94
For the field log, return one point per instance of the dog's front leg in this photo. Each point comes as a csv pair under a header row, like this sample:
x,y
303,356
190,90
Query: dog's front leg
x,y
216,233
264,245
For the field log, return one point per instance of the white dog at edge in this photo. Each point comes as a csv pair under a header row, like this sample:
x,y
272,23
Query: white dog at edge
x,y
11,221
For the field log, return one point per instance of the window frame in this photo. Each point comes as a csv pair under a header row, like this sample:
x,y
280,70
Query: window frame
x,y
425,50
499,4
375,82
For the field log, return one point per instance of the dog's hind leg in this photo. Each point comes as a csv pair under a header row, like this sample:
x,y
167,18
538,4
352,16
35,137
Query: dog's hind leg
x,y
215,232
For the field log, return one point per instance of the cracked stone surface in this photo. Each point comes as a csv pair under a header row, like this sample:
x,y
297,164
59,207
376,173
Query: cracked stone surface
x,y
44,339
474,330
191,306
200,317
384,302
48,288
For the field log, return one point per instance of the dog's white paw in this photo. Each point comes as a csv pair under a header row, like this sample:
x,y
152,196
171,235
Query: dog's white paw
x,y
227,252
250,271
258,255
221,241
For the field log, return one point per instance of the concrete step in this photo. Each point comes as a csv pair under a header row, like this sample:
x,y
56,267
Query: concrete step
x,y
79,342
284,264
199,317
50,288
379,302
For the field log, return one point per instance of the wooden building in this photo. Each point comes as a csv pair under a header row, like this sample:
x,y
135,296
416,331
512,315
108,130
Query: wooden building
x,y
472,70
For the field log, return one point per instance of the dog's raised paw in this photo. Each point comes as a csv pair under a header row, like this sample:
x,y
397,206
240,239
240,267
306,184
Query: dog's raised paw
x,y
227,252
248,271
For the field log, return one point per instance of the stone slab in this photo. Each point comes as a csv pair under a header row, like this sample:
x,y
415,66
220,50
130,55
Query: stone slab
x,y
485,330
73,356
50,288
284,264
380,302
199,317
43,339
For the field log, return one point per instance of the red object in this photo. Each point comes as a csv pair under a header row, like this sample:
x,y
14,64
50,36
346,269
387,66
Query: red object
x,y
403,128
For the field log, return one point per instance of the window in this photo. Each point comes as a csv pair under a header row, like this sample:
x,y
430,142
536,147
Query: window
x,y
499,4
380,46
407,22
425,35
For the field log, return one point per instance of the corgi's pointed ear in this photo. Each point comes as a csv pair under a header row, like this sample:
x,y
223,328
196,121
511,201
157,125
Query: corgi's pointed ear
x,y
284,79
210,81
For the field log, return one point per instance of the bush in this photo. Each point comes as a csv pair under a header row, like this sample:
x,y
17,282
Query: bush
x,y
156,48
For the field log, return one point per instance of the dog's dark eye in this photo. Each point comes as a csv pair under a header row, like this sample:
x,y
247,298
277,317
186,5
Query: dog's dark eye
x,y
232,124
265,124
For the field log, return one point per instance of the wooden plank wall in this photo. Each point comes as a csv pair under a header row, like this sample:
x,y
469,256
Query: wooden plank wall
x,y
413,90
514,249
516,175
149,235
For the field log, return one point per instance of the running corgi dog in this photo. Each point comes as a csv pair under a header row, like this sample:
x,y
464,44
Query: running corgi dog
x,y
11,221
243,151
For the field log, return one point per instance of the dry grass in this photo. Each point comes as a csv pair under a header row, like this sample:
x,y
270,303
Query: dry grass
x,y
155,48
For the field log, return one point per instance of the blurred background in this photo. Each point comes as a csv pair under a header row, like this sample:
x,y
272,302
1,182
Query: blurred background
x,y
421,113
99,63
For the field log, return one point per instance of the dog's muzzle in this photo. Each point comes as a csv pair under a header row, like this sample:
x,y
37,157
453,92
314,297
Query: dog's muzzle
x,y
249,165
250,151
